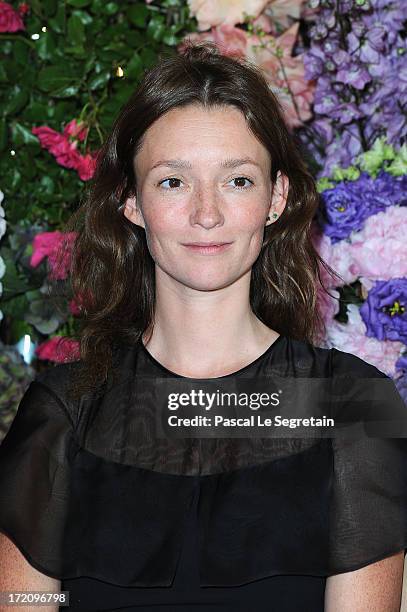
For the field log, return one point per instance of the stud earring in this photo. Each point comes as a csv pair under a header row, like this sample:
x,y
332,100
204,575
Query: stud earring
x,y
275,215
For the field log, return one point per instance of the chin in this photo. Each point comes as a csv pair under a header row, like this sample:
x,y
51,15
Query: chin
x,y
206,284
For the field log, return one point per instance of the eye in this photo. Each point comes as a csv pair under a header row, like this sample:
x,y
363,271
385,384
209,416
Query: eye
x,y
243,178
172,179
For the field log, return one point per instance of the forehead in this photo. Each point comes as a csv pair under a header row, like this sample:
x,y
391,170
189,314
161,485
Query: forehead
x,y
195,133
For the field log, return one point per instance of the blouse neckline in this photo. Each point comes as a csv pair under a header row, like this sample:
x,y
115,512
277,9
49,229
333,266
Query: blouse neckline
x,y
268,350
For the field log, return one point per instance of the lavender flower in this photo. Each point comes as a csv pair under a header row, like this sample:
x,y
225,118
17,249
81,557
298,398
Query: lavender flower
x,y
357,58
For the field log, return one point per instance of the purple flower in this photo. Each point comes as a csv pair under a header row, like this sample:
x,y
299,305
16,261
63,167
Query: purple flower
x,y
401,363
347,205
388,190
401,385
354,75
385,310
361,79
343,211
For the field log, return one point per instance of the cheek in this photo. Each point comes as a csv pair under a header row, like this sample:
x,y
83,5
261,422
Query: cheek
x,y
162,227
250,221
161,220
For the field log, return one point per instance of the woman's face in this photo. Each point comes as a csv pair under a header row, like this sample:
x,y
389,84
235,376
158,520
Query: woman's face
x,y
191,188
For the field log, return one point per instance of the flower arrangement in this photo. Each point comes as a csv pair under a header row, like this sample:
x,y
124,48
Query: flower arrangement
x,y
360,231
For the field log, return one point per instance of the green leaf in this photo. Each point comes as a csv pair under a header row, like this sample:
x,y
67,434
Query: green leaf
x,y
84,16
324,183
148,56
398,167
20,51
57,23
138,15
111,8
135,67
36,112
13,281
50,7
373,159
76,31
3,134
3,74
18,98
47,184
25,160
171,39
22,135
99,80
156,27
46,45
14,307
78,3
91,64
18,328
54,78
350,174
66,92
34,294
97,6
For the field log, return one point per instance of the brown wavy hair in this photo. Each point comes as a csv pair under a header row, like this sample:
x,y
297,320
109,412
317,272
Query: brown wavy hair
x,y
112,273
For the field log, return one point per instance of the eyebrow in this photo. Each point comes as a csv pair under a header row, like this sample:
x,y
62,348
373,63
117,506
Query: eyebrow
x,y
227,163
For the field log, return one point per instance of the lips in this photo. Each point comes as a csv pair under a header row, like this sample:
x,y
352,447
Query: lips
x,y
205,244
207,248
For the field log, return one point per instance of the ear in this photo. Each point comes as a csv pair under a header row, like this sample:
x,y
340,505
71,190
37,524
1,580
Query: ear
x,y
133,212
279,197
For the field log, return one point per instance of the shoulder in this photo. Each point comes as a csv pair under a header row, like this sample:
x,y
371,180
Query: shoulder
x,y
54,386
348,364
58,377
309,357
360,385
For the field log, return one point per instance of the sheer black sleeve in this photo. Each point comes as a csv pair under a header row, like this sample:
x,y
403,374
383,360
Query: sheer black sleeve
x,y
368,509
34,478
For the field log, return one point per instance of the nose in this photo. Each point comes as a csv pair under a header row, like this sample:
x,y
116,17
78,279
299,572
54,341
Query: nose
x,y
207,209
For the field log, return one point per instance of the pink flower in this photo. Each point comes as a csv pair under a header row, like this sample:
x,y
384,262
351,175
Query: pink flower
x,y
74,307
48,137
48,244
65,150
231,41
59,349
379,250
78,130
61,148
10,20
86,166
337,255
219,12
23,8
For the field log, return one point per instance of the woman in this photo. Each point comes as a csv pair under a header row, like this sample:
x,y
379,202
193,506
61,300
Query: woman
x,y
194,262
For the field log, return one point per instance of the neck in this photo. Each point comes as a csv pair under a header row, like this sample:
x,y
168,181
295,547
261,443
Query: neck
x,y
206,333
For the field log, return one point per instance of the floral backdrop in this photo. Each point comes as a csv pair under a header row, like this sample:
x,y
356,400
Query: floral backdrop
x,y
339,70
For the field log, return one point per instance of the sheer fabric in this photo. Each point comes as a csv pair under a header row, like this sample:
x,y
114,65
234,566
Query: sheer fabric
x,y
88,492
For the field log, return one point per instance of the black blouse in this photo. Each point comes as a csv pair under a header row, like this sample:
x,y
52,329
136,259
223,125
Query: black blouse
x,y
129,520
